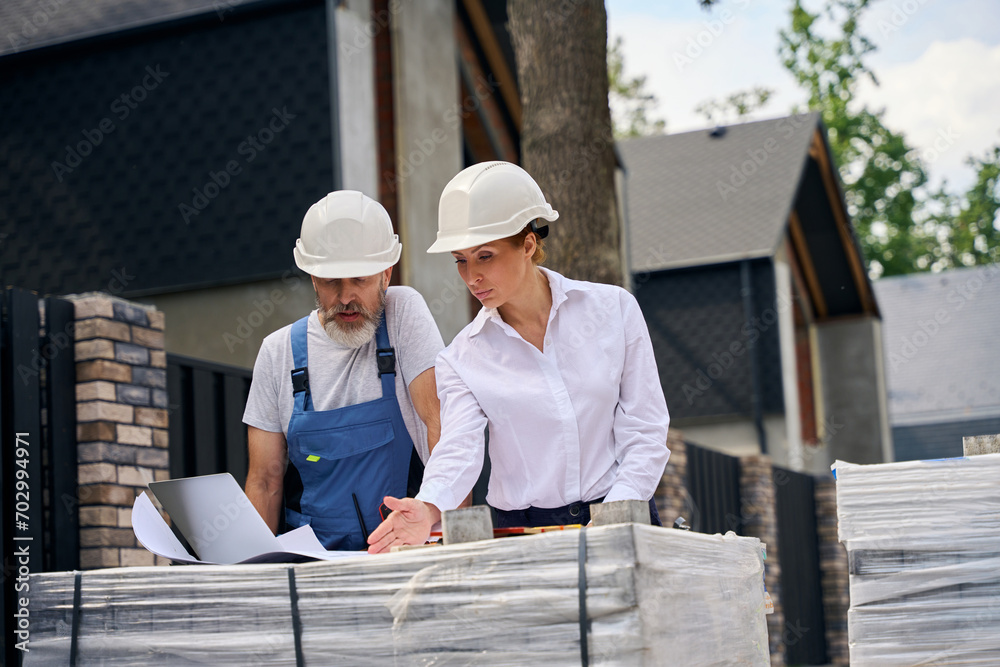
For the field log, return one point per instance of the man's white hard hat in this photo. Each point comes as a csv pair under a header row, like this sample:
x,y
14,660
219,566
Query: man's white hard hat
x,y
346,235
486,202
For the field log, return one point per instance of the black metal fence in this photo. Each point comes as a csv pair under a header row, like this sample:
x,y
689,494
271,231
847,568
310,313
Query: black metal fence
x,y
207,434
38,486
713,481
801,586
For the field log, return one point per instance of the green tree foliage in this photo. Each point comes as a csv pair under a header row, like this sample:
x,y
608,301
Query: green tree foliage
x,y
879,169
965,230
631,105
902,227
735,107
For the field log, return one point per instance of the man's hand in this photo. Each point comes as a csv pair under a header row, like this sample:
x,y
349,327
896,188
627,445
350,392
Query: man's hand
x,y
409,523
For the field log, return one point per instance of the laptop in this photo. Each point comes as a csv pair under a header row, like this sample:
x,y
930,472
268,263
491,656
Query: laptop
x,y
216,518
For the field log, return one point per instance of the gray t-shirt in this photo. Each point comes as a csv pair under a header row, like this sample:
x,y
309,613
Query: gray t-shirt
x,y
340,376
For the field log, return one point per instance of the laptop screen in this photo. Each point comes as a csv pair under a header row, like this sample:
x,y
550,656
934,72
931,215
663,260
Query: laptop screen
x,y
216,518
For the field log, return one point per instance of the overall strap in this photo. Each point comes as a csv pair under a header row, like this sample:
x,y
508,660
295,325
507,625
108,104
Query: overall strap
x,y
386,358
300,362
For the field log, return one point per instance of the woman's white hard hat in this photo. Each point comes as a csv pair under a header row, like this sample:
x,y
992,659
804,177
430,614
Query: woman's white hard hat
x,y
486,202
346,235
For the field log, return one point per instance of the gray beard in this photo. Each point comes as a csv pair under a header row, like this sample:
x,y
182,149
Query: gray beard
x,y
356,335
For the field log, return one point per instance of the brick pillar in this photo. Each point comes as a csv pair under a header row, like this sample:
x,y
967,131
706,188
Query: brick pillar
x,y
760,521
671,494
833,569
121,411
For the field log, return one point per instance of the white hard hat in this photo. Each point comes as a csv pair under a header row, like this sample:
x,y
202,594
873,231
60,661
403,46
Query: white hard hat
x,y
346,235
486,202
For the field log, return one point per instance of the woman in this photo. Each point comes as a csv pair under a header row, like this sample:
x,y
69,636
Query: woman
x,y
562,371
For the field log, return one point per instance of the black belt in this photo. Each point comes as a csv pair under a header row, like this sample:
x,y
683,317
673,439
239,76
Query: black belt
x,y
578,512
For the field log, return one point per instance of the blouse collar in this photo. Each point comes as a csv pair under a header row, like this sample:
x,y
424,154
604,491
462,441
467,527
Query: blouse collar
x,y
559,286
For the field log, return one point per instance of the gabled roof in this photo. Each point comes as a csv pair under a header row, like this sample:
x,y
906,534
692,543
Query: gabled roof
x,y
942,350
682,191
734,193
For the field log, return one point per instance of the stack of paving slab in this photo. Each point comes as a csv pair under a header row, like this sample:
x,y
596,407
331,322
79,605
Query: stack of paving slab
x,y
923,543
653,596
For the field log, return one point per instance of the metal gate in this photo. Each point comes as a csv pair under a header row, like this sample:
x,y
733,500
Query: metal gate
x,y
207,434
713,480
38,488
801,585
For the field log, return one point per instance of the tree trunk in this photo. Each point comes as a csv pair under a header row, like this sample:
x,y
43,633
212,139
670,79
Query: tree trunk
x,y
566,138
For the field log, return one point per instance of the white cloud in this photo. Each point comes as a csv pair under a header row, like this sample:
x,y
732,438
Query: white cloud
x,y
946,102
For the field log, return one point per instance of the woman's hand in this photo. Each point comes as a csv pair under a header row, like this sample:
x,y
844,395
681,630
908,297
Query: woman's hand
x,y
409,523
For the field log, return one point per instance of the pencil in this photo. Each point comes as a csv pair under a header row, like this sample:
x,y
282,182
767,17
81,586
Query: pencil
x,y
361,519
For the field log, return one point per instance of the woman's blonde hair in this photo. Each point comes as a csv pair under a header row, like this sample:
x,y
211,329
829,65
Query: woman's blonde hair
x,y
517,240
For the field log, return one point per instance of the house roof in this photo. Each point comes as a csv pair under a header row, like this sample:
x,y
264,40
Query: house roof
x,y
942,352
31,24
687,208
738,192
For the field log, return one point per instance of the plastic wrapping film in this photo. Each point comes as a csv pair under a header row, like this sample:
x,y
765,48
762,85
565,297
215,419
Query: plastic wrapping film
x,y
654,596
923,545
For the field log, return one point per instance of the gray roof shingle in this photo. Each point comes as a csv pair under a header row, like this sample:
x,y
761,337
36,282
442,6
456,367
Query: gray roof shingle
x,y
694,199
942,348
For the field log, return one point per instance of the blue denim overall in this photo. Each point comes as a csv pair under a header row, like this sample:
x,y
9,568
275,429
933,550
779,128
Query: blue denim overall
x,y
362,449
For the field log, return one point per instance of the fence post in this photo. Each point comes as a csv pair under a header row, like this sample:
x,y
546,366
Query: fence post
x,y
23,425
63,552
121,409
760,521
21,482
7,649
833,566
672,494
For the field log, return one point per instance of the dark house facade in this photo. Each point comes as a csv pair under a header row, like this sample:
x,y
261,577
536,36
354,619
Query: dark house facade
x,y
165,151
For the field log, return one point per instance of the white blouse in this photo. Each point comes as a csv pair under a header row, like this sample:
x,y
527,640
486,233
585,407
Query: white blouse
x,y
584,419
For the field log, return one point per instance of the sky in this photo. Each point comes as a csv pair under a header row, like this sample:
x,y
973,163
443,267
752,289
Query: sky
x,y
937,63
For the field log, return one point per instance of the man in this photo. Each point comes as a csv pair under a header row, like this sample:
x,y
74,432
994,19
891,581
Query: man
x,y
342,399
